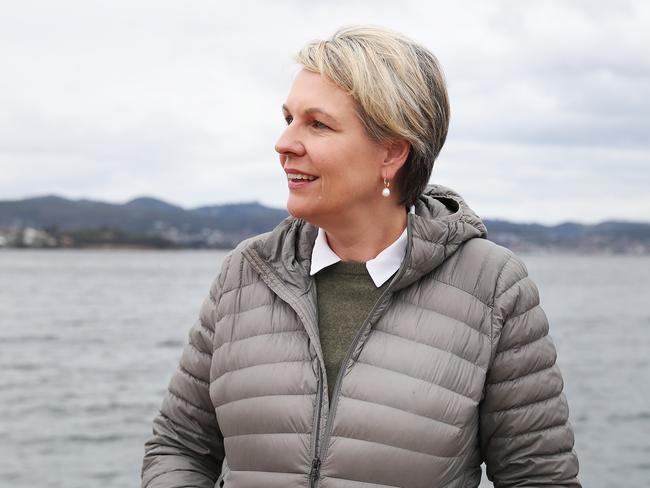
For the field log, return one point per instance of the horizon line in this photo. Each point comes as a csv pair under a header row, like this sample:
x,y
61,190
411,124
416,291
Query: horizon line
x,y
256,202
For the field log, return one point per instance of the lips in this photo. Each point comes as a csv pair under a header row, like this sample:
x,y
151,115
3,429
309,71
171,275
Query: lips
x,y
298,184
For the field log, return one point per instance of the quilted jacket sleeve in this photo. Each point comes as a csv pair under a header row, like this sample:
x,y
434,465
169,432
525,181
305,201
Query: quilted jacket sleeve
x,y
526,437
186,448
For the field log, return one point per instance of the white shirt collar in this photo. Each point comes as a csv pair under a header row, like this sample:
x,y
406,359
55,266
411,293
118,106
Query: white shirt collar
x,y
380,268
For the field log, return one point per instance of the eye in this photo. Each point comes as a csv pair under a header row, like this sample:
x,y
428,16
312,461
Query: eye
x,y
288,119
317,124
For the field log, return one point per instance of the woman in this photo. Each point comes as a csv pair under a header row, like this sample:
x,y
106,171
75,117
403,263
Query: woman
x,y
374,337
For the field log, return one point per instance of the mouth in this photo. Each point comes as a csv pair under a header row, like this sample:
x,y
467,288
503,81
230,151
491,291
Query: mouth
x,y
298,180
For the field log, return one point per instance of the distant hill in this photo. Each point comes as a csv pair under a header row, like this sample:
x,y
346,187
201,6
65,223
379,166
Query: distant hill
x,y
54,221
208,226
619,237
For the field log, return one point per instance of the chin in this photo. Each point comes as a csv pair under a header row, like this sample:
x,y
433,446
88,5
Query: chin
x,y
296,210
299,209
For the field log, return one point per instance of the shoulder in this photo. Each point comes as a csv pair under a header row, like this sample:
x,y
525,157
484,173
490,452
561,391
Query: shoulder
x,y
482,268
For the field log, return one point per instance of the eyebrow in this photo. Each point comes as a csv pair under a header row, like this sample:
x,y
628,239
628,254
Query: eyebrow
x,y
313,110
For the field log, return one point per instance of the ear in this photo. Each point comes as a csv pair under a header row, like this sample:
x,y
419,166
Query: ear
x,y
397,151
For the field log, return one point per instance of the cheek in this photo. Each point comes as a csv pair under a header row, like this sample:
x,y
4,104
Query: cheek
x,y
347,172
359,173
345,184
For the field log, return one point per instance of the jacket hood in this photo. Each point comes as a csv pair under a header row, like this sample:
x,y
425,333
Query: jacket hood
x,y
441,223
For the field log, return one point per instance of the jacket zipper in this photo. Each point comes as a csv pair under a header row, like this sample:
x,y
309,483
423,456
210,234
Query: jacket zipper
x,y
315,463
315,472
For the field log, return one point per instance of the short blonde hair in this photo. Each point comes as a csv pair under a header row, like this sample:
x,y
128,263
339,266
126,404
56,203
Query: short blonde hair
x,y
400,92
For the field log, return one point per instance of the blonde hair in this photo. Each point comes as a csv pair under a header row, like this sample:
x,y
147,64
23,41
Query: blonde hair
x,y
400,92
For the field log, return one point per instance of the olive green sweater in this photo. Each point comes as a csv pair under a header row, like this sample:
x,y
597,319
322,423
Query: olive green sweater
x,y
345,295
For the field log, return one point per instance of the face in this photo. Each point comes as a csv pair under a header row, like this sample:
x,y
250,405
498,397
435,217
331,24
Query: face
x,y
324,138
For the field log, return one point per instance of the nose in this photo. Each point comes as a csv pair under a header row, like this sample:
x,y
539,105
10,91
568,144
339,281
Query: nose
x,y
289,143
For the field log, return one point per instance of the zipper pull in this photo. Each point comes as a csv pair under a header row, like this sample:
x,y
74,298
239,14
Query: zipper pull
x,y
315,470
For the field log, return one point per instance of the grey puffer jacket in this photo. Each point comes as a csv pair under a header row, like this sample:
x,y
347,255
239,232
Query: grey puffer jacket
x,y
453,367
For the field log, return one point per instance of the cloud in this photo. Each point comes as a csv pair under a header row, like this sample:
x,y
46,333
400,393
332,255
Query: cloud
x,y
550,100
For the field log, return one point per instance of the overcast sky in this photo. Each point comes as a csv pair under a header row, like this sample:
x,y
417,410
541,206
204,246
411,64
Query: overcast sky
x,y
181,100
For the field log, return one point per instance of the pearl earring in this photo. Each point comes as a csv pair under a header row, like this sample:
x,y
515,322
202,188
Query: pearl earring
x,y
386,191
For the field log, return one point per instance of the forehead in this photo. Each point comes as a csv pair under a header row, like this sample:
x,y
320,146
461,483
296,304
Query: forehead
x,y
311,89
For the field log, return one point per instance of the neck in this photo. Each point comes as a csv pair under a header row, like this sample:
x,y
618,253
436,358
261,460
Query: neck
x,y
361,236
